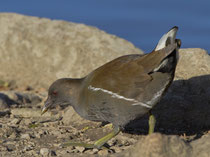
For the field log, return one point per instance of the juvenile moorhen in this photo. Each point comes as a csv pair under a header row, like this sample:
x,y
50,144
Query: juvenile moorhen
x,y
121,90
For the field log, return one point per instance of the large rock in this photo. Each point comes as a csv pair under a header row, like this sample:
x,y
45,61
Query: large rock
x,y
157,145
201,146
37,51
192,62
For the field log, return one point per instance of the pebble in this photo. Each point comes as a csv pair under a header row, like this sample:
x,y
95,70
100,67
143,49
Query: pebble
x,y
56,133
112,142
61,152
3,105
44,151
3,113
10,147
27,148
37,135
25,136
103,152
95,150
80,149
89,152
53,153
27,121
4,148
15,121
11,95
32,153
116,149
13,135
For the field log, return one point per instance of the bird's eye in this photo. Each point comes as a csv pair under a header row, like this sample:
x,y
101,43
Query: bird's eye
x,y
54,93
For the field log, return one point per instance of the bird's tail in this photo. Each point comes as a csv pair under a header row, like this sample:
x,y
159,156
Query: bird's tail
x,y
167,39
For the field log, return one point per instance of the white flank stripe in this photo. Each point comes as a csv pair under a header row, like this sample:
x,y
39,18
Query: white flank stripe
x,y
115,95
156,97
142,104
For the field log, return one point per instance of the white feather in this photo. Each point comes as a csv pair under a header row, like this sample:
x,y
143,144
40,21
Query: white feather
x,y
162,42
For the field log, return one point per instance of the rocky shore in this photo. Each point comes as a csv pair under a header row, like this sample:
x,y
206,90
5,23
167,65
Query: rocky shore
x,y
36,51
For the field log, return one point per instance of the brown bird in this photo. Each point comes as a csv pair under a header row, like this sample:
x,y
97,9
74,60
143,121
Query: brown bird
x,y
122,90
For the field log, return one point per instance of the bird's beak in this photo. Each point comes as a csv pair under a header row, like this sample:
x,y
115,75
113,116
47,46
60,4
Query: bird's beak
x,y
44,109
47,104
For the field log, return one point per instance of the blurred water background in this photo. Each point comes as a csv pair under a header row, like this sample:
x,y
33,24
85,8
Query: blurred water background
x,y
141,22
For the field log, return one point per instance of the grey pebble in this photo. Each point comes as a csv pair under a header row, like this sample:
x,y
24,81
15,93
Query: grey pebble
x,y
44,151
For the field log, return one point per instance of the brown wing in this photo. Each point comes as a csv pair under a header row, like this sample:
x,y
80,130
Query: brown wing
x,y
128,75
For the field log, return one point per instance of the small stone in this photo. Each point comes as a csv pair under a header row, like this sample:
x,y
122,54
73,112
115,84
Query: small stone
x,y
28,88
61,152
41,132
116,149
15,121
80,149
12,96
56,133
53,153
89,151
13,135
27,148
56,145
70,148
3,113
27,121
103,152
112,142
10,147
25,136
95,151
32,153
37,135
12,116
4,148
3,104
44,151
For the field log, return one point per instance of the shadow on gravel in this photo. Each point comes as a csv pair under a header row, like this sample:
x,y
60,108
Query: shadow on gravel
x,y
185,109
5,101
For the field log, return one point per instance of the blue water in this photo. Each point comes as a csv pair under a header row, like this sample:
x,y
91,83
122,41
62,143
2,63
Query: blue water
x,y
140,22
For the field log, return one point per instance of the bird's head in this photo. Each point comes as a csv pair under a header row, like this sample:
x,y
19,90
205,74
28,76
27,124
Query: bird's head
x,y
62,92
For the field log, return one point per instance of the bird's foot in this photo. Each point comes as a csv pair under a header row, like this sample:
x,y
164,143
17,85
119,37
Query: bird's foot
x,y
85,145
86,128
152,122
99,144
109,125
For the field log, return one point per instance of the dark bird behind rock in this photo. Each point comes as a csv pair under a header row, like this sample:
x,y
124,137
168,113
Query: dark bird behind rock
x,y
121,90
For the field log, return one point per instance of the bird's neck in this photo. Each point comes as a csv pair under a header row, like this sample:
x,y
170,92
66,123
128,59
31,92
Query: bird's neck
x,y
74,89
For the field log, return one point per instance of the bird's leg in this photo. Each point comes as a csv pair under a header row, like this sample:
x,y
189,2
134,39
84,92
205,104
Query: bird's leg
x,y
152,122
99,143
